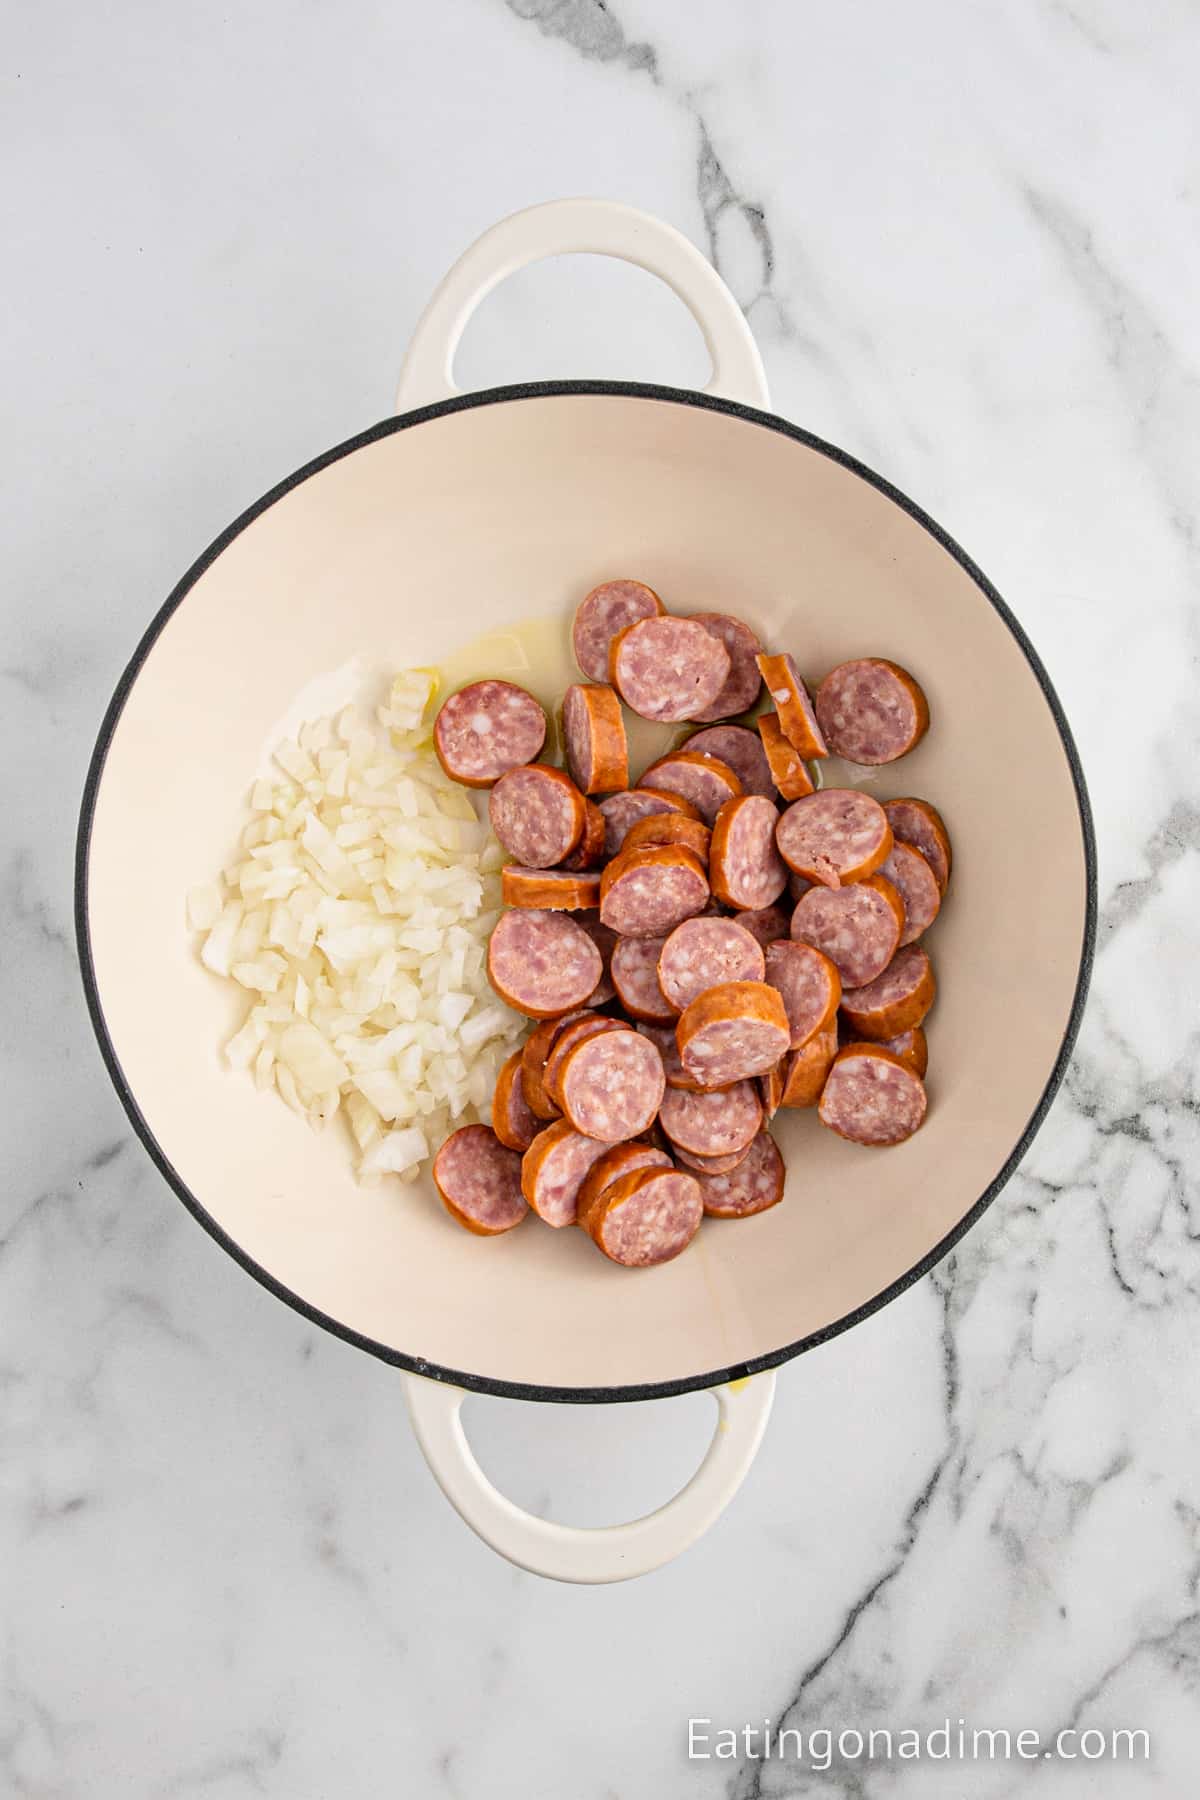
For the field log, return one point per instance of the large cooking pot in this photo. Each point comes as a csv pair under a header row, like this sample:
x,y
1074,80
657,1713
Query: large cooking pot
x,y
459,515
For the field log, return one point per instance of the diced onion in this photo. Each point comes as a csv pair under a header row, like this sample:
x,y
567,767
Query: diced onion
x,y
358,915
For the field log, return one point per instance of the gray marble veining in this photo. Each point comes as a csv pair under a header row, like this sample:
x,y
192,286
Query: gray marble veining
x,y
966,238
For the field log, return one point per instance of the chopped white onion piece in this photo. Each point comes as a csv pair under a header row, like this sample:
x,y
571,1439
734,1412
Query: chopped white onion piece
x,y
358,916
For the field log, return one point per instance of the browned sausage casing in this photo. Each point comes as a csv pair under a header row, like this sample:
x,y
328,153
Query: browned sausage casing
x,y
895,1001
793,707
733,1032
789,771
594,737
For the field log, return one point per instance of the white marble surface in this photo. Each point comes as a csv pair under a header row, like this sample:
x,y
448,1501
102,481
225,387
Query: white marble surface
x,y
967,240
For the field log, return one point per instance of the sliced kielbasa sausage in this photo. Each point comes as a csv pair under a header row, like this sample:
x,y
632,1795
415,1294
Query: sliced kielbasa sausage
x,y
917,886
703,779
593,728
742,749
806,1068
857,927
538,815
835,836
918,823
788,769
871,1097
646,1217
793,708
742,684
513,1119
896,1000
486,729
809,985
604,612
712,1124
733,1032
635,978
744,866
479,1180
542,963
871,711
670,828
703,953
912,1049
753,1185
667,669
553,1170
550,890
610,1085
646,893
624,810
617,1160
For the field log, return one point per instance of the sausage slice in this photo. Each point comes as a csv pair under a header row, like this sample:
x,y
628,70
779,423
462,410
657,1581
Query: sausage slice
x,y
590,1025
646,893
912,1049
703,953
770,1089
479,1180
513,1119
538,815
809,985
589,851
895,1001
593,728
550,890
871,1097
793,708
703,779
645,1218
667,669
806,1070
743,682
611,1084
604,939
604,612
553,1169
733,1032
753,1185
669,828
542,963
742,749
917,886
486,729
712,1124
871,711
623,810
635,978
857,927
789,771
744,865
534,1055
838,835
617,1160
918,823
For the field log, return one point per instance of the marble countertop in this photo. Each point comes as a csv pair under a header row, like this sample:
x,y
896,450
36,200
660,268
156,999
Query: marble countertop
x,y
966,238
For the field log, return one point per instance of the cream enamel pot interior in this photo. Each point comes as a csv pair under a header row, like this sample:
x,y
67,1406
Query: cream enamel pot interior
x,y
456,517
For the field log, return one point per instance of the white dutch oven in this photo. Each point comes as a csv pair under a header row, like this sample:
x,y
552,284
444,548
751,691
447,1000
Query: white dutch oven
x,y
454,518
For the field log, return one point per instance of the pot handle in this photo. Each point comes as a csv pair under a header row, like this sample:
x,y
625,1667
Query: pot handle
x,y
587,227
579,1553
